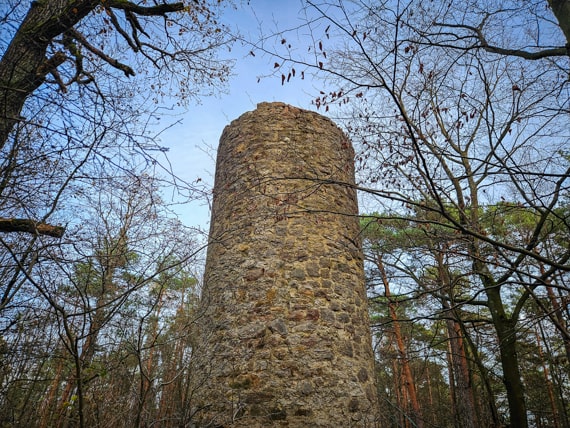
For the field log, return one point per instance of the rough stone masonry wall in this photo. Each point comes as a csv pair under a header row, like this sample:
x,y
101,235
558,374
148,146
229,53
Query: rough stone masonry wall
x,y
284,336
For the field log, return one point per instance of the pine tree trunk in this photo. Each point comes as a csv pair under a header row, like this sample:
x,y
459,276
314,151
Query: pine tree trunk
x,y
465,402
406,370
465,399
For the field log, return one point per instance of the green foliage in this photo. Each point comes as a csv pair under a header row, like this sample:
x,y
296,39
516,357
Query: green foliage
x,y
426,258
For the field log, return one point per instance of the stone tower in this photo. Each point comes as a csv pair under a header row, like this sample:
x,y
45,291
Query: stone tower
x,y
284,335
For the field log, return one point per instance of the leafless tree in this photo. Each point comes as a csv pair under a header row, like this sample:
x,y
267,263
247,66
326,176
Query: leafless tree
x,y
84,232
80,81
460,114
107,295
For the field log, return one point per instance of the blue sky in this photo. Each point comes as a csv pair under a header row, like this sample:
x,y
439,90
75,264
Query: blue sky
x,y
192,143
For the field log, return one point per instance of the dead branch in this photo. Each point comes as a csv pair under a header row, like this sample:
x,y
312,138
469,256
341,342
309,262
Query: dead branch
x,y
8,225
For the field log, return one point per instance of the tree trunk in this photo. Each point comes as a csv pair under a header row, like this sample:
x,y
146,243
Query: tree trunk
x,y
24,66
47,407
507,335
406,370
561,10
465,399
465,404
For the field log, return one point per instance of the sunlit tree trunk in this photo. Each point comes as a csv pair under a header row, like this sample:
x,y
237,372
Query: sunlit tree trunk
x,y
406,370
465,401
398,388
464,396
49,404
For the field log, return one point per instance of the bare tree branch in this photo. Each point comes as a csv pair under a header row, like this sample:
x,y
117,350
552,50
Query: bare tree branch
x,y
111,61
8,225
483,44
161,9
23,66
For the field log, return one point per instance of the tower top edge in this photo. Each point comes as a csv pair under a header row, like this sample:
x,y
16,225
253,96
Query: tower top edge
x,y
278,109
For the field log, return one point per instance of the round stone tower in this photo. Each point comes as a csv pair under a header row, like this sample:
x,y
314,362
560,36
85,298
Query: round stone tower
x,y
284,335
